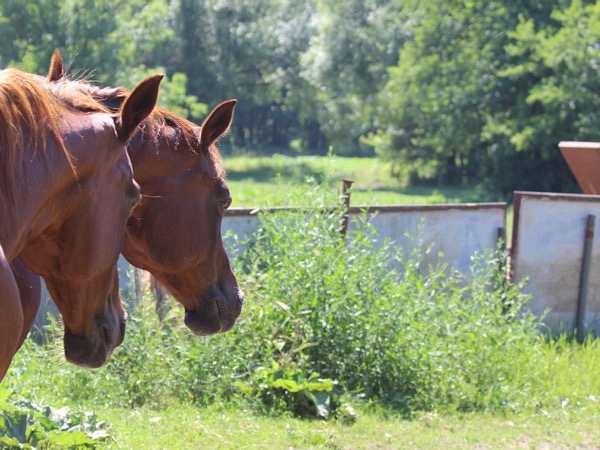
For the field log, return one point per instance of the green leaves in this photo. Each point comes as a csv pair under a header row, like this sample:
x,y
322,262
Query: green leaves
x,y
173,92
473,92
483,94
306,396
25,425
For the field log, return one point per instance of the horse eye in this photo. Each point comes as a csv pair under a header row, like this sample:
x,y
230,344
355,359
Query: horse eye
x,y
226,203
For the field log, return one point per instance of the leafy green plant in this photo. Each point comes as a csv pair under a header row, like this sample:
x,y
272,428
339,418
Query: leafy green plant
x,y
419,338
26,425
290,390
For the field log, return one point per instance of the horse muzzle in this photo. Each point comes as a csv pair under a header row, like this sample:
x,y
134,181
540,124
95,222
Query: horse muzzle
x,y
94,351
217,314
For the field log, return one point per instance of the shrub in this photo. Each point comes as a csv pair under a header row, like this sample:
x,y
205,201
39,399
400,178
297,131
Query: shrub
x,y
414,338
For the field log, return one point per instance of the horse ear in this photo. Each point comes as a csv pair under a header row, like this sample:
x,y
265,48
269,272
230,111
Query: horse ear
x,y
137,106
57,67
217,123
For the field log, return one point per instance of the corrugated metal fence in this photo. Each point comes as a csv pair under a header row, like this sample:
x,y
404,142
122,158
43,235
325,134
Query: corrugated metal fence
x,y
549,233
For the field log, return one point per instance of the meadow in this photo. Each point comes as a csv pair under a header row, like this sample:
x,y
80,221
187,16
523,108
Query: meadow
x,y
272,180
334,350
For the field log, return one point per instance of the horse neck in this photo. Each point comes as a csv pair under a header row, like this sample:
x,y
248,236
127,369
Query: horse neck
x,y
30,209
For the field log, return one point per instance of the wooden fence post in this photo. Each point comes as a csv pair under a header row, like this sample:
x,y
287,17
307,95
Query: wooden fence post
x,y
346,185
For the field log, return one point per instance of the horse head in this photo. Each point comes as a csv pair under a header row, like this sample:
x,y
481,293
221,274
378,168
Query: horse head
x,y
175,231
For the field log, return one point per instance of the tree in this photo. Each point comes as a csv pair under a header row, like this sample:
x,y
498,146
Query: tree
x,y
248,50
28,32
173,93
346,65
554,69
448,109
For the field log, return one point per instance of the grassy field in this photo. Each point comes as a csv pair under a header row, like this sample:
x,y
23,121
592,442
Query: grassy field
x,y
185,427
269,181
181,426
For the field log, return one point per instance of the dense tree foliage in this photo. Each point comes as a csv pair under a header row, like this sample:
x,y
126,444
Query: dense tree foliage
x,y
475,91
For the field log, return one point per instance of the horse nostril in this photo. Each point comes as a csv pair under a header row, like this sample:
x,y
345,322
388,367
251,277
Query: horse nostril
x,y
106,334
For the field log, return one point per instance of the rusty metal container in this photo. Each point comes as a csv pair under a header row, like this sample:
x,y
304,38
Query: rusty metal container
x,y
583,159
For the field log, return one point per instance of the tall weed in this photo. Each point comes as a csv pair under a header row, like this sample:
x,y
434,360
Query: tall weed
x,y
414,338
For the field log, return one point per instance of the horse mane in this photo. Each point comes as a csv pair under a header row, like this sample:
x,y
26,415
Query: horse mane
x,y
28,112
76,97
154,126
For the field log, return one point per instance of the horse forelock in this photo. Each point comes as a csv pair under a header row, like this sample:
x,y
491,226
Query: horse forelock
x,y
187,135
28,112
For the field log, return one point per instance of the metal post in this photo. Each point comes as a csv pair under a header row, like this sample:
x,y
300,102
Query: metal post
x,y
501,248
584,276
346,185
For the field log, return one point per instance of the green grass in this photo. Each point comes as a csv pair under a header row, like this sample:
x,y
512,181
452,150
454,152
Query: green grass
x,y
568,417
181,426
268,181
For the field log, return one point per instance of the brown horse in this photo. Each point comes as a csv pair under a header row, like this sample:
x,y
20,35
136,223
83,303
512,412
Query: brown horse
x,y
175,231
66,192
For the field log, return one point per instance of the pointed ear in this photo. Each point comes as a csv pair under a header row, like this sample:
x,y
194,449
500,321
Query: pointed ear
x,y
217,123
137,106
57,67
